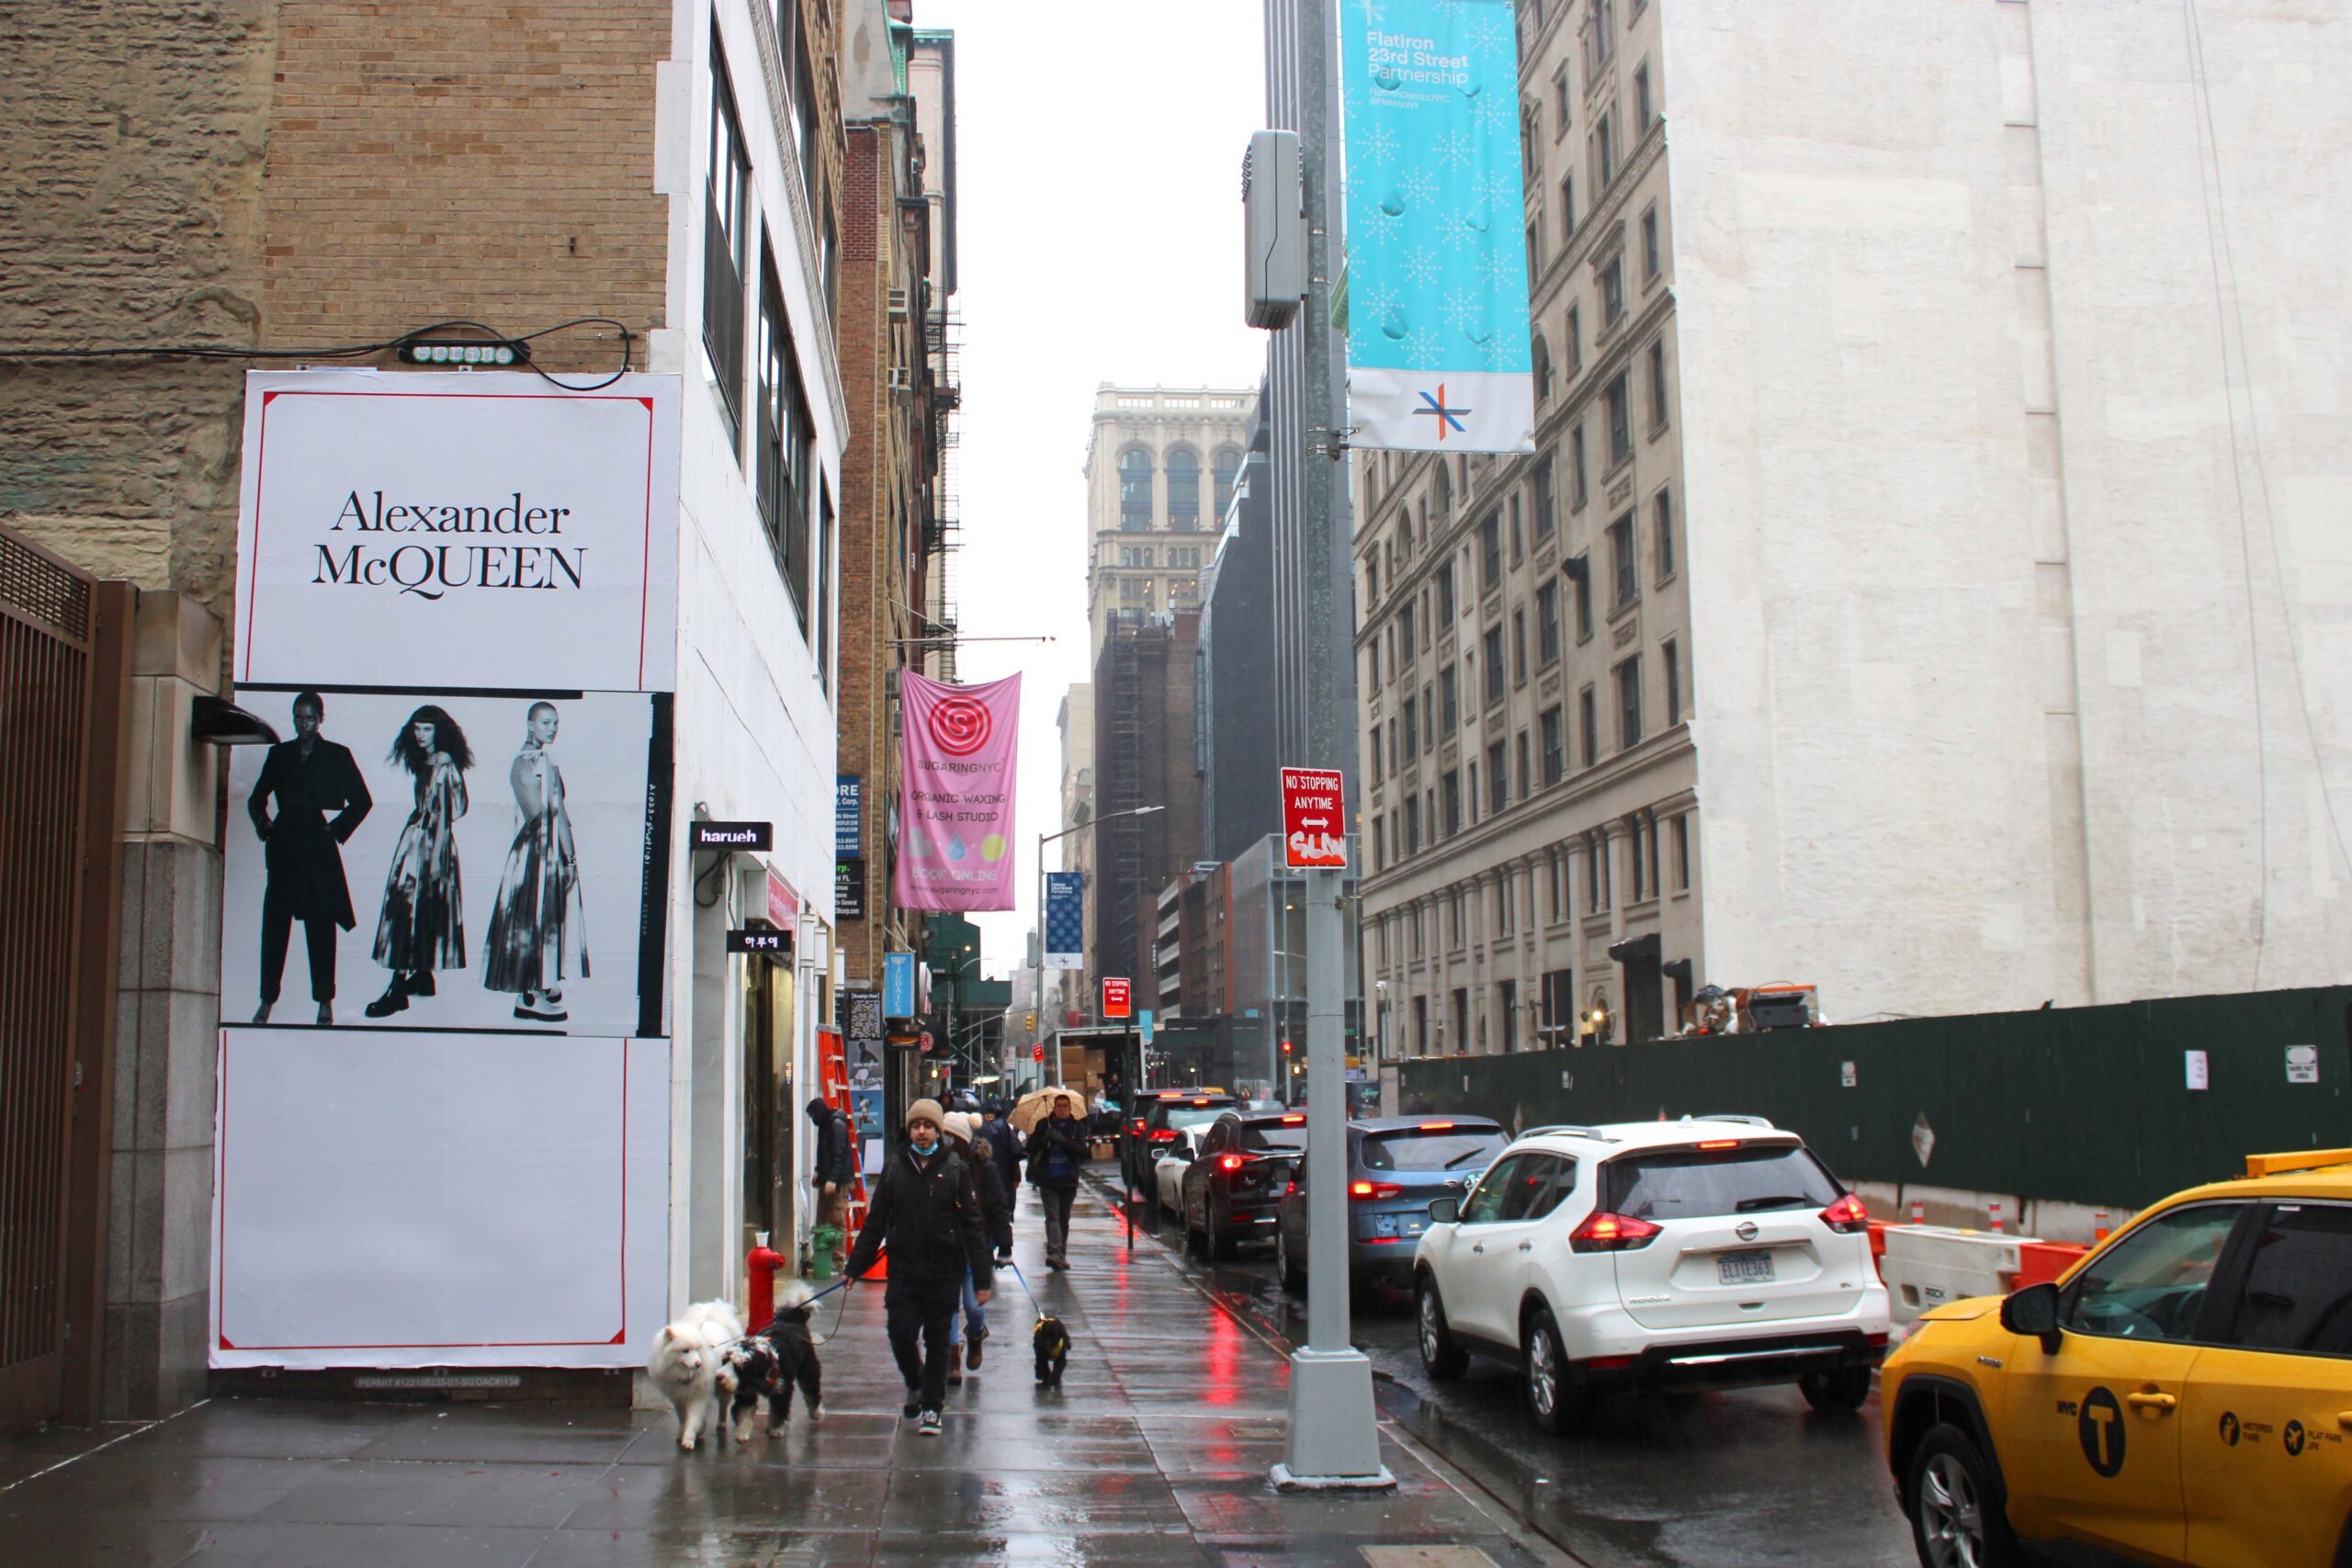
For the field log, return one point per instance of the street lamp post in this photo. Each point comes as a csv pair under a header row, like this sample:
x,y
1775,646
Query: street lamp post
x,y
1037,1035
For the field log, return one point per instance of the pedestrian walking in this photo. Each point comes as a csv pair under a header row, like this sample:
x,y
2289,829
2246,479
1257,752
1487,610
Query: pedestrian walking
x,y
836,1173
1004,1144
1056,1149
996,1207
926,1209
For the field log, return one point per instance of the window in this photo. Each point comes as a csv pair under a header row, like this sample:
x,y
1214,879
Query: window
x,y
1443,492
1507,1010
1376,773
1642,99
1633,856
1504,923
784,445
1498,782
1560,104
1494,645
1524,781
824,585
1604,133
1183,491
1445,594
1519,648
1449,705
1135,490
1657,385
1471,795
1621,562
1405,630
1534,251
1518,553
1682,852
1589,726
2298,1291
1649,841
1555,762
726,249
1541,358
1372,654
1579,490
1490,551
1547,623
1629,703
1530,128
1449,789
1429,622
803,116
1130,556
1613,292
1596,871
1485,1204
1555,877
1559,1003
1581,583
1453,926
2151,1284
1576,339
1662,527
1649,243
1413,839
1392,745
1412,709
1229,469
1428,721
1620,419
1546,498
1671,667
1462,1044
1568,213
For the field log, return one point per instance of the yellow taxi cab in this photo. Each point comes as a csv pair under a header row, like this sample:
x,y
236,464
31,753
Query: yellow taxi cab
x,y
2183,1394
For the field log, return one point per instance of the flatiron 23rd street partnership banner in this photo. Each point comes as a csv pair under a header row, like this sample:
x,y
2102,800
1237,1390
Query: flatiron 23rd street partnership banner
x,y
1438,355
956,783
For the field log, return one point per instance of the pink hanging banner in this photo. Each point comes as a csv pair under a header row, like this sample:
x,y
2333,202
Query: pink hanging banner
x,y
956,783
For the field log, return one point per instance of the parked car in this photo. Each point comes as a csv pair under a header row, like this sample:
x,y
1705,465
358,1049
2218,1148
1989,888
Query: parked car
x,y
1167,1172
1395,1166
1159,1117
1244,1166
1644,1255
2178,1395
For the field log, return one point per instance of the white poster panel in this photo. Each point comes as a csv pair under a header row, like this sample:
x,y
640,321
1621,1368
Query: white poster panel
x,y
447,861
478,529
439,1199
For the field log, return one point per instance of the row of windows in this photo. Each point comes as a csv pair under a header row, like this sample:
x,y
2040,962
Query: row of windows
x,y
795,506
1175,556
1183,468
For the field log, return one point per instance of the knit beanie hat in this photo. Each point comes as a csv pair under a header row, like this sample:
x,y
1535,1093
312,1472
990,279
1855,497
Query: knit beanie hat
x,y
926,1111
958,1126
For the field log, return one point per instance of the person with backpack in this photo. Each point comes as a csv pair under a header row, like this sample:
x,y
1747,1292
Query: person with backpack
x,y
1056,1149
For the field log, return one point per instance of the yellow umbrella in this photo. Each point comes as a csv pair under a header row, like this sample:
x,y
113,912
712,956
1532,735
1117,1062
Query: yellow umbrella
x,y
1038,1104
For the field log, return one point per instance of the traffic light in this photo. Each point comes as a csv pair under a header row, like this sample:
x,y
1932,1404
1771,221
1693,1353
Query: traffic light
x,y
1030,1021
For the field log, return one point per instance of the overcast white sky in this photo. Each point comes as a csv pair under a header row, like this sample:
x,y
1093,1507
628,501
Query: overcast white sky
x,y
1098,148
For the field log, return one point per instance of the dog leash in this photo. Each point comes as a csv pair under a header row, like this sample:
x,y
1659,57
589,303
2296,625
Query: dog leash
x,y
1022,1281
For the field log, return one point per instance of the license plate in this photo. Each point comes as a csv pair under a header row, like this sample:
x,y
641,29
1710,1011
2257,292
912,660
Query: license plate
x,y
1745,1267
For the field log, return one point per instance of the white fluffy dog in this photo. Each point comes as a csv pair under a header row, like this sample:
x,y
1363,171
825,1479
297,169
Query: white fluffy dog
x,y
684,1364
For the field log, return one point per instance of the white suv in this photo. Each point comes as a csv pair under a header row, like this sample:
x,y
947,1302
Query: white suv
x,y
1704,1252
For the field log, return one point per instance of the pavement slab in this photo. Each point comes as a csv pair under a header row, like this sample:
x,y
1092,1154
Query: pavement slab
x,y
1152,1453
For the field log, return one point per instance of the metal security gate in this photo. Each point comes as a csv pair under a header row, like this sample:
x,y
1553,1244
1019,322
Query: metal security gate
x,y
48,679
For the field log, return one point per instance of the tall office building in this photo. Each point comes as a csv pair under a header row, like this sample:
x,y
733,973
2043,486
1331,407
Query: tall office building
x,y
1159,470
1919,589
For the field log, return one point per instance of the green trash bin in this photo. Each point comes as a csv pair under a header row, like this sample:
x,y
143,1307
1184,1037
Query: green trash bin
x,y
821,1243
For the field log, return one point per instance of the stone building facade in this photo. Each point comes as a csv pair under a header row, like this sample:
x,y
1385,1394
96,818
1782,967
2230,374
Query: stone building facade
x,y
1159,470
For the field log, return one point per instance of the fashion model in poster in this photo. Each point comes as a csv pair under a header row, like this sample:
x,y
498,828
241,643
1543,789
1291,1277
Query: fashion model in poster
x,y
537,927
423,927
309,777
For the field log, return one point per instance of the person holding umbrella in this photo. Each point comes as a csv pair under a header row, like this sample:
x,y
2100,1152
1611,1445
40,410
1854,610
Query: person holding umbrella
x,y
927,1210
1056,1149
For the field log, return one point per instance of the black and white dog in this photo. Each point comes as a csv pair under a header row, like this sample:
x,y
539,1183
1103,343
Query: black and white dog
x,y
770,1364
1051,1341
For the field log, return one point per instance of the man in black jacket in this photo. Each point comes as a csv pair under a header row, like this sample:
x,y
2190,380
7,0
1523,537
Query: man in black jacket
x,y
836,1173
1004,1144
1057,1147
310,776
926,1209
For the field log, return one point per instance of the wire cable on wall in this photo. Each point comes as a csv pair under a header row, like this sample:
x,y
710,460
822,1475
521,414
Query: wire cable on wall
x,y
344,351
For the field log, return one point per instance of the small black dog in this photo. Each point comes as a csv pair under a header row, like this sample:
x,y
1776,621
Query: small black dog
x,y
768,1365
1051,1340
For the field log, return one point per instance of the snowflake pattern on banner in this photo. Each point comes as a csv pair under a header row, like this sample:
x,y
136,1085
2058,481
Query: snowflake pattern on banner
x,y
1430,97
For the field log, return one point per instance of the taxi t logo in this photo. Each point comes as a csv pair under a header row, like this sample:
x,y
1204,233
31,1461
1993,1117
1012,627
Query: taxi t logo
x,y
2230,1428
2100,1428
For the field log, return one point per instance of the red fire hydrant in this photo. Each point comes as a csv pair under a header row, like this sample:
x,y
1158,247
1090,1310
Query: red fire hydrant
x,y
760,1265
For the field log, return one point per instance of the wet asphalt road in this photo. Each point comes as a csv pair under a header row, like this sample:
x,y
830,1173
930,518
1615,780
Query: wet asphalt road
x,y
1745,1479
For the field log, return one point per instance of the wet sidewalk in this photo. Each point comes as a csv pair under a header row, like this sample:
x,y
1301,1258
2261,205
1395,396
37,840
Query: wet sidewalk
x,y
1154,1452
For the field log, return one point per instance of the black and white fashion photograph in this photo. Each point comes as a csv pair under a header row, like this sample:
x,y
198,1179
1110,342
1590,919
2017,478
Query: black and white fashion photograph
x,y
467,840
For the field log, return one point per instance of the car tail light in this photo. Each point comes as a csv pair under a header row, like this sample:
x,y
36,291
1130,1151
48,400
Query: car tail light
x,y
1290,1189
1847,1216
1164,1135
1610,1363
1878,1340
1228,1162
1294,1121
1373,1189
1437,1127
1200,1103
1720,1144
1135,1128
1612,1232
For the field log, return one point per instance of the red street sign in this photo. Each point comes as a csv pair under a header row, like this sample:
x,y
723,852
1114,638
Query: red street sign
x,y
1118,998
1315,818
1037,1052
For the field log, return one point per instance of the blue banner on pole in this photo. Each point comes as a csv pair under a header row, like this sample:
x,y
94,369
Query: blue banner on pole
x,y
897,984
1438,348
849,815
1065,920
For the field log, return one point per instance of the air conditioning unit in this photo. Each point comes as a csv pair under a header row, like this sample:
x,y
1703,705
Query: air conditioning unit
x,y
898,302
902,380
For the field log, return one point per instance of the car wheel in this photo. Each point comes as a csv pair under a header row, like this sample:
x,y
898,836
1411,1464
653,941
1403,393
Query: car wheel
x,y
1840,1392
1956,1517
1545,1375
1294,1279
1443,1360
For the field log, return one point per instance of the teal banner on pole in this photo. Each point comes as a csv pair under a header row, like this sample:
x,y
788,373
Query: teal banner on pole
x,y
1437,353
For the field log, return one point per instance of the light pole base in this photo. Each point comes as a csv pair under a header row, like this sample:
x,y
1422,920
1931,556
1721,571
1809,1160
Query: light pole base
x,y
1334,1439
